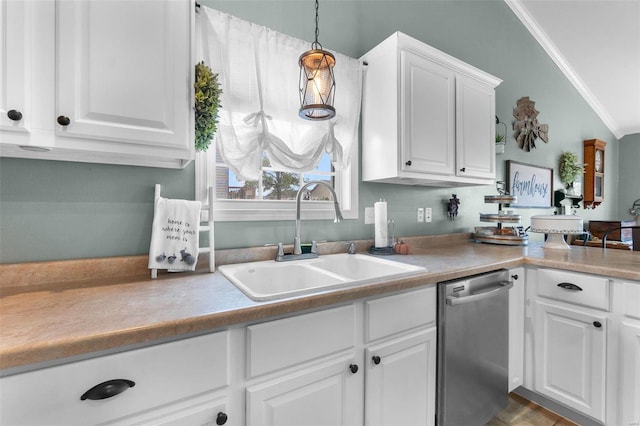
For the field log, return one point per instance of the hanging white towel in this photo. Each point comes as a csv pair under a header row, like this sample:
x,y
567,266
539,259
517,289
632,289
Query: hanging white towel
x,y
175,235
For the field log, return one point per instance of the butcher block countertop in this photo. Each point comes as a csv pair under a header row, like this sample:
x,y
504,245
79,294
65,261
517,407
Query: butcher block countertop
x,y
53,312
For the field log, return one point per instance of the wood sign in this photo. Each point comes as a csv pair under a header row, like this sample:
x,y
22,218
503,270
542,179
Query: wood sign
x,y
533,185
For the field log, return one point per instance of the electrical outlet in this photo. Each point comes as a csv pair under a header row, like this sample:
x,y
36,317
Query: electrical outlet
x,y
428,214
420,215
369,215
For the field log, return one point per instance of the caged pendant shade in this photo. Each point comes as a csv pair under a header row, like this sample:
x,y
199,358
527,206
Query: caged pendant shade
x,y
317,82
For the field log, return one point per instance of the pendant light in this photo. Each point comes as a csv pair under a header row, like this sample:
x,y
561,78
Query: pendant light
x,y
317,83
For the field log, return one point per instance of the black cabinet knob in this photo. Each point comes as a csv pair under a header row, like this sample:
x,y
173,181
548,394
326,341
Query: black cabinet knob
x,y
221,418
14,115
353,368
63,120
464,169
597,324
107,389
375,359
408,163
514,276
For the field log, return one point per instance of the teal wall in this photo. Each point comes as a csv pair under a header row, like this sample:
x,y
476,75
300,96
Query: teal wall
x,y
629,182
58,210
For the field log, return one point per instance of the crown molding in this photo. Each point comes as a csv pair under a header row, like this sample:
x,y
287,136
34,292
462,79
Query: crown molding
x,y
522,13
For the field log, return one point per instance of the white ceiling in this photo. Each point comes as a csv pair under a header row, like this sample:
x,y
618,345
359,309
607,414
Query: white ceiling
x,y
596,44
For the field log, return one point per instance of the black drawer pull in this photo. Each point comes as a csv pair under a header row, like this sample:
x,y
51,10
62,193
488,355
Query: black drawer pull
x,y
107,389
569,286
376,359
353,368
597,324
408,163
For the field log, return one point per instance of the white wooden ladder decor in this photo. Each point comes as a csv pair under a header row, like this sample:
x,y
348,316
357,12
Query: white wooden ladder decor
x,y
205,226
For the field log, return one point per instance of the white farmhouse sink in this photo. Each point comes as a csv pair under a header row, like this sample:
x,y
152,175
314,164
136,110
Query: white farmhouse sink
x,y
269,280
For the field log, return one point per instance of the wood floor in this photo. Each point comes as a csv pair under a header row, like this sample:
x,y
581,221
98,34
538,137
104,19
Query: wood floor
x,y
522,412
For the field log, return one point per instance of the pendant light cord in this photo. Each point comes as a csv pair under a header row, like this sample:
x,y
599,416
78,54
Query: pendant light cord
x,y
316,44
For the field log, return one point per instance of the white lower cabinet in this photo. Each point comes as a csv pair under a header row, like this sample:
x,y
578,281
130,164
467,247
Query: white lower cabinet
x,y
325,393
181,382
516,328
570,357
630,373
370,363
400,359
627,297
400,380
203,411
303,370
571,341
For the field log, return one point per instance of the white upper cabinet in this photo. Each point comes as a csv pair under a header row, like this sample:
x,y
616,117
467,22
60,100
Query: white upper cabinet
x,y
111,82
427,118
14,39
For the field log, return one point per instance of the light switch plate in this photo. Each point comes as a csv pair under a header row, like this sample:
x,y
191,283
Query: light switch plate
x,y
369,215
428,214
420,215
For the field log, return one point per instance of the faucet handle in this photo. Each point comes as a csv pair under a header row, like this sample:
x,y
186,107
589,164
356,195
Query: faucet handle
x,y
280,253
352,247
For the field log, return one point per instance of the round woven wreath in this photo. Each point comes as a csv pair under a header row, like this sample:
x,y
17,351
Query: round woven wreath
x,y
207,103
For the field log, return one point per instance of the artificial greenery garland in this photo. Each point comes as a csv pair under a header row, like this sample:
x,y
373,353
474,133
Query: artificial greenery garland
x,y
207,103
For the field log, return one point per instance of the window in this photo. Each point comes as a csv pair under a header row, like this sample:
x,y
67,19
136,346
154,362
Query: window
x,y
263,152
238,200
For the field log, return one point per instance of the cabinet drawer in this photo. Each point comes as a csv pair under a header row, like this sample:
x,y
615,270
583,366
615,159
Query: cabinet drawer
x,y
395,314
582,289
283,343
162,374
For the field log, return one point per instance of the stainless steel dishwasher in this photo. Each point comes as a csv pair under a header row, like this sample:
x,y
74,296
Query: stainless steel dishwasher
x,y
473,336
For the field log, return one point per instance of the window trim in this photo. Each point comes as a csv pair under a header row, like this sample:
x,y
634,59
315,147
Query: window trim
x,y
271,210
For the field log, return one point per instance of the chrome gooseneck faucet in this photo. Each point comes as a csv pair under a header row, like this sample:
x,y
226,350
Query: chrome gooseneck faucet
x,y
297,250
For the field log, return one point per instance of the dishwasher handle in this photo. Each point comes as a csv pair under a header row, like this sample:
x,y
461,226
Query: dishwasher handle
x,y
500,287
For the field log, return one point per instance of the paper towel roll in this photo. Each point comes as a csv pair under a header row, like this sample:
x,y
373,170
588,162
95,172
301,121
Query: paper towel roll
x,y
380,224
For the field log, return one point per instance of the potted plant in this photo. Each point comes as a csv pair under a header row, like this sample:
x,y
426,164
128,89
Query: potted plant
x,y
570,170
207,103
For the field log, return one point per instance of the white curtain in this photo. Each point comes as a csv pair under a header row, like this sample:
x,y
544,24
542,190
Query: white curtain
x,y
258,71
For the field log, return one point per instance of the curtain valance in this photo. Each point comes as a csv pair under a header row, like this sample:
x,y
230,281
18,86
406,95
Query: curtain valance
x,y
257,69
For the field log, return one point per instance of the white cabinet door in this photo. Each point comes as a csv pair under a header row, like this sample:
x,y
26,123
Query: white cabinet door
x,y
630,373
475,128
516,328
570,357
627,302
321,394
401,381
15,40
428,116
123,71
202,411
27,58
